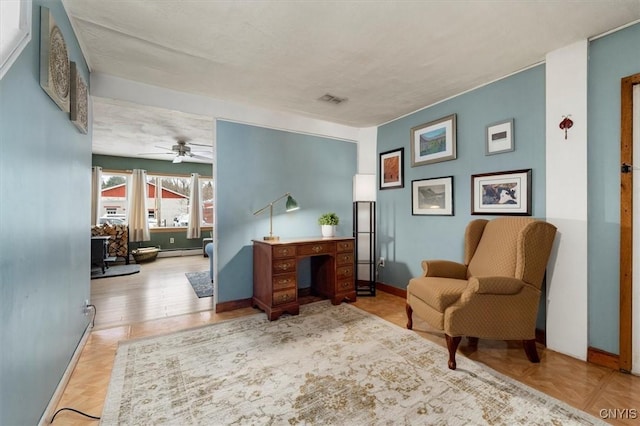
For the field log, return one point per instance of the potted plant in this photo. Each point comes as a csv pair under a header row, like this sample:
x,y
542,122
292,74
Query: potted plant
x,y
328,222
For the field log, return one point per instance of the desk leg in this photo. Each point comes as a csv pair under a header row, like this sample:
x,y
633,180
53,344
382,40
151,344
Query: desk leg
x,y
273,313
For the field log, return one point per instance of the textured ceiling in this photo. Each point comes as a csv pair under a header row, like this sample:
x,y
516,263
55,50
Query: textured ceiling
x,y
131,130
388,58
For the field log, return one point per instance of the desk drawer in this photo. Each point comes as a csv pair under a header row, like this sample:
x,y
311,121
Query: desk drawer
x,y
345,246
344,272
344,258
284,296
281,282
284,265
284,251
315,248
344,285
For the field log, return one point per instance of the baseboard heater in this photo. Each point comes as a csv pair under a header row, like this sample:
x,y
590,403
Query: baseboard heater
x,y
180,252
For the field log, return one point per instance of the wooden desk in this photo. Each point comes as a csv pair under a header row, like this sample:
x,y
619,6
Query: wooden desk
x,y
275,266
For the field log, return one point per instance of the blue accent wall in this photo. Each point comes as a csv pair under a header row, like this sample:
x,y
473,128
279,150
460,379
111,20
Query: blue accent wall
x,y
257,165
45,185
405,240
611,58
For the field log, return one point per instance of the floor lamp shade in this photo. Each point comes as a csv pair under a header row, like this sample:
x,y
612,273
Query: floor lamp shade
x,y
364,187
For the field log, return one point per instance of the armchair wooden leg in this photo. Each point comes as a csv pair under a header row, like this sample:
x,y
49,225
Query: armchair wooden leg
x,y
409,317
452,345
530,350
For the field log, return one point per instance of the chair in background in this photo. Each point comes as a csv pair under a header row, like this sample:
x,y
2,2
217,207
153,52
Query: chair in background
x,y
496,292
209,250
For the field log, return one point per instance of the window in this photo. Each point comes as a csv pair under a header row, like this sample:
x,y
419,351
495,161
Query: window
x,y
15,31
113,200
207,202
167,199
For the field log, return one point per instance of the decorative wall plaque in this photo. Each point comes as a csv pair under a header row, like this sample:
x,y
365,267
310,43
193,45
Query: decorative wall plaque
x,y
78,104
54,60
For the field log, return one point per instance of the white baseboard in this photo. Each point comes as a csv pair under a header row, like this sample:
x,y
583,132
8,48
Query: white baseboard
x,y
57,395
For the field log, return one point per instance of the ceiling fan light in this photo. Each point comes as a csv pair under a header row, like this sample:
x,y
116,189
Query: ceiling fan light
x,y
178,159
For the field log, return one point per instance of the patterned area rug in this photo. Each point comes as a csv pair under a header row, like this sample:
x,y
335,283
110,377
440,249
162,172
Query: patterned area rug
x,y
329,365
114,271
201,283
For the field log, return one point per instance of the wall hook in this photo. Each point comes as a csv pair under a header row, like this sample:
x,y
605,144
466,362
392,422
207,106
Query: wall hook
x,y
565,124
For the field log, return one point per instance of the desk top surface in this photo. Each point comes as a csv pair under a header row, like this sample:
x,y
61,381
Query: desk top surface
x,y
302,240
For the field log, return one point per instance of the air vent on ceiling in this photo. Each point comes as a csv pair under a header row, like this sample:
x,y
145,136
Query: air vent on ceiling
x,y
331,99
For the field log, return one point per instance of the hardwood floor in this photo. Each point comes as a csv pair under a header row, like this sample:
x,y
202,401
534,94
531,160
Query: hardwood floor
x,y
157,300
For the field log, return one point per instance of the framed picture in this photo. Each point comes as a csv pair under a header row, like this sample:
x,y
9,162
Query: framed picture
x,y
392,169
78,103
434,141
502,193
432,197
54,60
499,137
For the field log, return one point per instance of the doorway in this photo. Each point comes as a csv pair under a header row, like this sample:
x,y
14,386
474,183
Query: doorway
x,y
629,358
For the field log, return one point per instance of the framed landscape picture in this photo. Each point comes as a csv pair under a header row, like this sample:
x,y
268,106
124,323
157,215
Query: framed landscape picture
x,y
499,137
432,197
392,169
502,193
434,141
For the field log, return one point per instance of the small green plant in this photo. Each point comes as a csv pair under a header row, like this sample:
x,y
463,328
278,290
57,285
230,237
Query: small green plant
x,y
329,219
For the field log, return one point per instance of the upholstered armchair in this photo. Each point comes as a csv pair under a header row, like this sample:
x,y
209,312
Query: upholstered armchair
x,y
495,293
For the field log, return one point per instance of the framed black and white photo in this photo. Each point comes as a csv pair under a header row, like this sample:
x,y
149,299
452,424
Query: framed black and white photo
x,y
499,137
392,169
501,193
432,197
434,141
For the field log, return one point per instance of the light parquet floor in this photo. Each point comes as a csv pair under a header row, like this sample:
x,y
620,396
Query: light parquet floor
x,y
585,386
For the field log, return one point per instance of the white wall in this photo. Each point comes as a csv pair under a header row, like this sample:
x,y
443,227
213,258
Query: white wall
x,y
566,167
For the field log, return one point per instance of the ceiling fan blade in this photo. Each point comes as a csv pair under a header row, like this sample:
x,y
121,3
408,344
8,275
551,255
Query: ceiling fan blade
x,y
201,157
198,144
155,153
162,147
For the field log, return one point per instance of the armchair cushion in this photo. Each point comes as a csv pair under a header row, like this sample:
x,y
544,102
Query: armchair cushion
x,y
438,293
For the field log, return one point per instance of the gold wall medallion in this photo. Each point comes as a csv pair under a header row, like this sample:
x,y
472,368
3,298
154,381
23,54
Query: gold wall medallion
x,y
54,61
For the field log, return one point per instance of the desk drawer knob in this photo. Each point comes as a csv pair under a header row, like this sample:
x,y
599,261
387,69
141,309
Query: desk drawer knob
x,y
345,284
317,249
284,266
283,298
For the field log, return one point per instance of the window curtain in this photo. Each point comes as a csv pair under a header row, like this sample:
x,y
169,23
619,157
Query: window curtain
x,y
195,216
137,211
96,194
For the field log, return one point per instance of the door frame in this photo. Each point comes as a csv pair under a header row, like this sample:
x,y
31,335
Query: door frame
x,y
626,221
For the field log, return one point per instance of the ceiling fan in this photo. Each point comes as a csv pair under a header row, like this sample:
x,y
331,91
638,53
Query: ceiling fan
x,y
182,149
